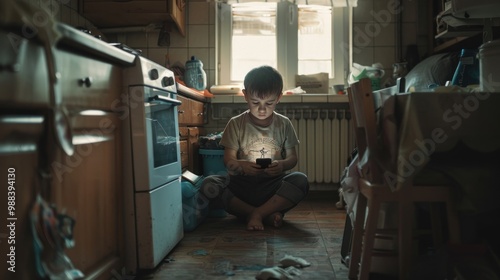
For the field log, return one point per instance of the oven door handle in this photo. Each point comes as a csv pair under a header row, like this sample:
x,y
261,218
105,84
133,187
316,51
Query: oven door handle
x,y
162,98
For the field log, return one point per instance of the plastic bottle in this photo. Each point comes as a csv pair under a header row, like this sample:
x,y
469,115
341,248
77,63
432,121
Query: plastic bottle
x,y
467,72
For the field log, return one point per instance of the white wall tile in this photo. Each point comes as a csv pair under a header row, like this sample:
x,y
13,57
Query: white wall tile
x,y
72,3
211,36
385,55
210,78
410,11
385,11
211,62
178,56
198,12
65,14
137,40
363,56
177,40
386,36
211,12
363,34
198,36
157,55
75,17
152,38
362,12
409,33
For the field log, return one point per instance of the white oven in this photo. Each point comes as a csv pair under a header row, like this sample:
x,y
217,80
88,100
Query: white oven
x,y
155,129
153,201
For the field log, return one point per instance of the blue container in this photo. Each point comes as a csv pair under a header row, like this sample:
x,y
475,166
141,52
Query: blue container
x,y
213,162
195,76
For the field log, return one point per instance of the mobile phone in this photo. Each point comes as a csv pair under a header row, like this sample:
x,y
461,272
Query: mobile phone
x,y
263,162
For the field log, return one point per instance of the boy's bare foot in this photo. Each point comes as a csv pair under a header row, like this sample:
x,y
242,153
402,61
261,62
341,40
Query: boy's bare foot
x,y
255,222
275,219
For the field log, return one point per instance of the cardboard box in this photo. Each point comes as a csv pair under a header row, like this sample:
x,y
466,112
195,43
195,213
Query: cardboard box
x,y
313,83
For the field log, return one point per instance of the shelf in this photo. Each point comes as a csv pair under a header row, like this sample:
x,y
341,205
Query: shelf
x,y
449,43
459,33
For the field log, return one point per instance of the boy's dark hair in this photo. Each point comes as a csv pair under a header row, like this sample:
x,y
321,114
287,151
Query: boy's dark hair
x,y
263,81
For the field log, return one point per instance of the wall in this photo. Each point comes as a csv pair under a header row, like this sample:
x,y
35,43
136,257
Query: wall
x,y
376,34
199,40
65,11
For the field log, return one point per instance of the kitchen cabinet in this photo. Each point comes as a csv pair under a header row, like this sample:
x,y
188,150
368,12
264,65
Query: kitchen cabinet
x,y
184,152
20,159
191,120
87,186
112,13
191,112
90,84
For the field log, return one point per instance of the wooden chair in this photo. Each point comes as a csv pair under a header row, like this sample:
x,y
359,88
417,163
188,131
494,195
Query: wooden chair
x,y
373,192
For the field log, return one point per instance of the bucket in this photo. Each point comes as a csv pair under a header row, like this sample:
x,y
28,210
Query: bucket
x,y
489,72
213,162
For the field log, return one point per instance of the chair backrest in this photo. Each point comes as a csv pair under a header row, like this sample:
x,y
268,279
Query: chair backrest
x,y
363,115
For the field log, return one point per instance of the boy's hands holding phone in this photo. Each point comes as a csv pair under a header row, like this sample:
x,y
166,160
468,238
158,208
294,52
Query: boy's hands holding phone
x,y
243,167
275,168
248,168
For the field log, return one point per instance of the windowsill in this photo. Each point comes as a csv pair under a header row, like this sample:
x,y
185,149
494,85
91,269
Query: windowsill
x,y
288,98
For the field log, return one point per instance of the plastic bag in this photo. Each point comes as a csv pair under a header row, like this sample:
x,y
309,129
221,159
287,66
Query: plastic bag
x,y
374,73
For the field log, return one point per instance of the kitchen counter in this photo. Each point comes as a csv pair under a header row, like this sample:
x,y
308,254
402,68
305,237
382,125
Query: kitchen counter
x,y
78,41
32,61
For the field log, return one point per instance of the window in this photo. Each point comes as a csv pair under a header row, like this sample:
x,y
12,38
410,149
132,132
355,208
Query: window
x,y
295,39
253,36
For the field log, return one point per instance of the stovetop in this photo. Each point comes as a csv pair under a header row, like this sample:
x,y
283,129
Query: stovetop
x,y
126,48
146,72
84,43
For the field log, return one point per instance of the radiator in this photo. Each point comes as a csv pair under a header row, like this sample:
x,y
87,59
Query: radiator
x,y
326,141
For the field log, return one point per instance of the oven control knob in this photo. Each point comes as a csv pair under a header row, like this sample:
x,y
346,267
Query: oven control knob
x,y
153,74
167,81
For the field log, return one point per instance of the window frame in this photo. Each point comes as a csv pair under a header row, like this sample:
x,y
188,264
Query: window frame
x,y
341,55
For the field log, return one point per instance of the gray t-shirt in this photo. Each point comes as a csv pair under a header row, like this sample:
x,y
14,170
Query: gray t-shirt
x,y
252,141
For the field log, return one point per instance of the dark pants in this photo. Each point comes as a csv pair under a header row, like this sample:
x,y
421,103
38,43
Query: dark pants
x,y
254,190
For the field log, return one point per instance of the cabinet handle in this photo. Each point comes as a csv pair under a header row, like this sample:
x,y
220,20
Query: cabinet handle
x,y
181,111
200,114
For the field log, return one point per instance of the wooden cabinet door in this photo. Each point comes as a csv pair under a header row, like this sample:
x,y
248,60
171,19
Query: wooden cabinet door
x,y
21,165
191,112
183,110
197,113
114,13
184,154
88,186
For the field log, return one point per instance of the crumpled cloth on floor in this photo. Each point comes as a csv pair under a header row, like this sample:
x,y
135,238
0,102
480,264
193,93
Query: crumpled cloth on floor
x,y
287,269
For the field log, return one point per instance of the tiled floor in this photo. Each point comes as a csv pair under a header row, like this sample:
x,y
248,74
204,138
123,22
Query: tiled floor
x,y
221,248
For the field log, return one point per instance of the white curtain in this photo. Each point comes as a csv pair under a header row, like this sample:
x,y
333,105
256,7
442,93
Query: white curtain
x,y
332,3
